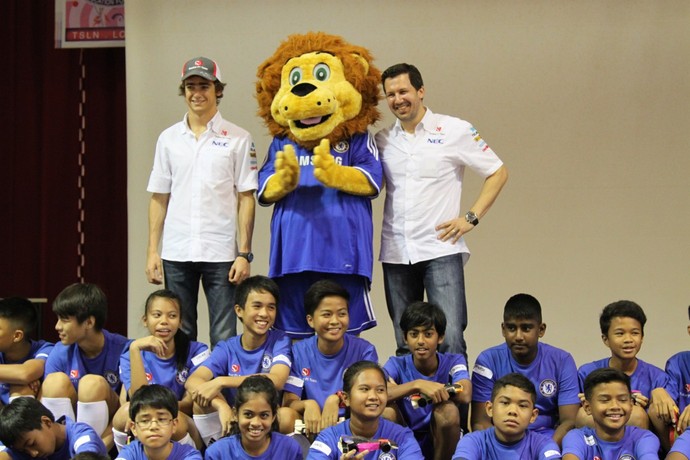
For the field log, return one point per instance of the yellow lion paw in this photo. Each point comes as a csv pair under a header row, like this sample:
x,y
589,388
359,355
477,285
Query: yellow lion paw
x,y
287,169
324,165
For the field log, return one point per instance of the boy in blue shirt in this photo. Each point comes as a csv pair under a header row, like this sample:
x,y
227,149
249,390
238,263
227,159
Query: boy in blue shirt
x,y
22,360
426,372
259,350
153,411
622,331
318,363
511,410
551,370
678,370
29,430
609,401
83,369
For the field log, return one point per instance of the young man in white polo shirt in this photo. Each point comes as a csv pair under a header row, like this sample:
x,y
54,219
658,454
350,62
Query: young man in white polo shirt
x,y
202,183
424,156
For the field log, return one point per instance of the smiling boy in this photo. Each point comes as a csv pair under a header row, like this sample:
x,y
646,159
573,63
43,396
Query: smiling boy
x,y
259,350
426,372
511,410
608,400
320,361
551,370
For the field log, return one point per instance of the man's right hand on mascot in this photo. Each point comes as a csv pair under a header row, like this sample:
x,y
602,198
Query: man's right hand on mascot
x,y
285,178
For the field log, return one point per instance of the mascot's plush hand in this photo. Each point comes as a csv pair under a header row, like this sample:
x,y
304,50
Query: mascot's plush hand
x,y
286,175
344,178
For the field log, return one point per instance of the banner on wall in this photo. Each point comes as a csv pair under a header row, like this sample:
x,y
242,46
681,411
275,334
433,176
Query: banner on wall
x,y
89,23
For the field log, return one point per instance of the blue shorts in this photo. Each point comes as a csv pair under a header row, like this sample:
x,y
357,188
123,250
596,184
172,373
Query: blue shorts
x,y
292,318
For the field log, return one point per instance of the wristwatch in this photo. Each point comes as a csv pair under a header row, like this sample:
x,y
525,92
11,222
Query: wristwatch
x,y
247,255
472,218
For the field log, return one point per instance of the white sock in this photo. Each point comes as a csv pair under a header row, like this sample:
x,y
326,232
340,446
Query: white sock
x,y
59,407
209,426
12,398
187,440
94,414
120,439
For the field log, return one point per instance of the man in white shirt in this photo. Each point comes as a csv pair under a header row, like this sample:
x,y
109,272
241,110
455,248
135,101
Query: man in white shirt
x,y
202,183
424,156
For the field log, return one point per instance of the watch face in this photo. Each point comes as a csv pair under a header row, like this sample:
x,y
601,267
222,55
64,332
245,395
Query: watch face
x,y
471,218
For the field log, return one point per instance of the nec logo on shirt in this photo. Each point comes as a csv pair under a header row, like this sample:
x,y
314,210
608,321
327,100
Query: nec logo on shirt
x,y
220,143
435,141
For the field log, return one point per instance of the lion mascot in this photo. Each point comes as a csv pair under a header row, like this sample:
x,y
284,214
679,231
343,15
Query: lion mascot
x,y
318,95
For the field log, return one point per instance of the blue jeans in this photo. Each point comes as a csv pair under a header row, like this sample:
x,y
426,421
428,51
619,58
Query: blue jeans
x,y
444,282
183,279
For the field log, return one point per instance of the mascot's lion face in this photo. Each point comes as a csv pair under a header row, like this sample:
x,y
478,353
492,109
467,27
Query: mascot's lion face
x,y
317,86
314,96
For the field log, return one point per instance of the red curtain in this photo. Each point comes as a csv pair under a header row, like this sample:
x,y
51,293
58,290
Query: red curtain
x,y
62,222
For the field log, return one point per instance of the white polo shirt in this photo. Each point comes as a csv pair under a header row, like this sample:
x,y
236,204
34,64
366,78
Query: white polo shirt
x,y
203,178
423,175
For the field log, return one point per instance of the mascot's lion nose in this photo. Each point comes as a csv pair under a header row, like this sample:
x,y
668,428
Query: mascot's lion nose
x,y
302,89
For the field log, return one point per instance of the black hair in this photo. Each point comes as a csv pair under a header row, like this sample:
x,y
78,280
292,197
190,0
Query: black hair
x,y
21,416
514,380
320,290
20,312
181,339
154,396
604,375
423,314
256,283
90,456
522,306
398,69
82,300
621,309
355,369
257,384
218,86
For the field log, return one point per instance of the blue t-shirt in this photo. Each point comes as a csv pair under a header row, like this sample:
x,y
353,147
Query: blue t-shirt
x,y
39,350
645,378
483,445
451,368
682,444
316,376
164,371
135,451
230,359
230,448
553,373
69,360
637,443
678,371
327,444
307,224
80,437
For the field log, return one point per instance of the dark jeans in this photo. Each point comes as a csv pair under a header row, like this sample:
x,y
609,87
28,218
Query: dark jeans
x,y
444,282
183,279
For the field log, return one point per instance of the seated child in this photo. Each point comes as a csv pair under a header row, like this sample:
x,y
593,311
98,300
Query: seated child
x,y
678,370
153,417
254,435
365,393
608,400
29,430
83,369
550,369
22,360
426,371
259,350
622,331
512,410
166,357
318,363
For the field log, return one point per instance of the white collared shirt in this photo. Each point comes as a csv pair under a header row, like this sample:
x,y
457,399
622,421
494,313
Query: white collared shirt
x,y
203,177
423,175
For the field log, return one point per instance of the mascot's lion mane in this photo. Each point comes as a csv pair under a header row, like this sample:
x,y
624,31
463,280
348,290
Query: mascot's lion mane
x,y
359,71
